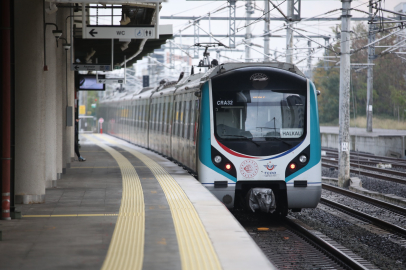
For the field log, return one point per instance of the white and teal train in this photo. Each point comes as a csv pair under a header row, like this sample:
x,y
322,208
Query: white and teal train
x,y
249,131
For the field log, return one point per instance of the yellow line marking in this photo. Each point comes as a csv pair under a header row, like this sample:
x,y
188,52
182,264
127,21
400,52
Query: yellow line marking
x,y
73,215
36,215
94,167
195,248
126,250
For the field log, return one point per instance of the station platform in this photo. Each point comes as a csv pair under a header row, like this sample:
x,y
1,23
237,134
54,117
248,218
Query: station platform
x,y
380,142
127,208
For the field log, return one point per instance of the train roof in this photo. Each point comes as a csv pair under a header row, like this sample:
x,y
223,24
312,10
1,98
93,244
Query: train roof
x,y
193,81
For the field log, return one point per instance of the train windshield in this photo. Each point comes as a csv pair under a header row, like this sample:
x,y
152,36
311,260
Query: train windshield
x,y
259,111
259,115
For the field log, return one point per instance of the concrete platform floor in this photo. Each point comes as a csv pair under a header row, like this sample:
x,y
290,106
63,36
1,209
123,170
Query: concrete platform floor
x,y
67,242
74,228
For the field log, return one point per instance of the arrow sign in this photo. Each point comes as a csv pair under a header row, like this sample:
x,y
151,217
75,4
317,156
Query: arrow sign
x,y
120,32
90,67
92,32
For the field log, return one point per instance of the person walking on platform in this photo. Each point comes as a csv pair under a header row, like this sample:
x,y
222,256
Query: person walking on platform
x,y
80,158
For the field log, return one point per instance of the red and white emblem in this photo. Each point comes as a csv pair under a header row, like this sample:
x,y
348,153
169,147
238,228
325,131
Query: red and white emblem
x,y
249,168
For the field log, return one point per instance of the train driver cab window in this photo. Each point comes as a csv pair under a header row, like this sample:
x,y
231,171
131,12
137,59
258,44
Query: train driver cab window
x,y
260,115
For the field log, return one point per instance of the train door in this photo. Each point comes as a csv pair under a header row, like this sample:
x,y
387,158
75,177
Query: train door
x,y
192,135
186,151
151,124
160,120
147,116
175,129
182,131
171,108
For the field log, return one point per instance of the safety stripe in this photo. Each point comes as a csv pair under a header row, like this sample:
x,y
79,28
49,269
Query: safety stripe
x,y
126,250
195,248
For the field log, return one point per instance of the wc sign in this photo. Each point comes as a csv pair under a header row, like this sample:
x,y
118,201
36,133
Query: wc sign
x,y
100,32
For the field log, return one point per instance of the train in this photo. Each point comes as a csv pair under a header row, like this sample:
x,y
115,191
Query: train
x,y
249,132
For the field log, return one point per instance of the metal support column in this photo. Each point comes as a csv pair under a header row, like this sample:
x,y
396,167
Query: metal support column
x,y
326,41
232,23
344,106
266,30
289,33
309,60
171,64
370,75
196,40
249,10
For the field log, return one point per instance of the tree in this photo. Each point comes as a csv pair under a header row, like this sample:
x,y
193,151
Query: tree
x,y
389,79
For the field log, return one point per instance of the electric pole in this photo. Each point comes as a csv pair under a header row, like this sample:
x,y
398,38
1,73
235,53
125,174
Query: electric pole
x,y
344,106
370,75
249,10
266,30
289,33
309,60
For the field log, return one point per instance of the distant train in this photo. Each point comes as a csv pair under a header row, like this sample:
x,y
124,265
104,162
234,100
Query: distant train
x,y
249,131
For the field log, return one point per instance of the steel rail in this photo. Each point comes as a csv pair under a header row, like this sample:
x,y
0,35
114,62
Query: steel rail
x,y
334,251
366,155
369,161
376,221
366,167
389,206
374,175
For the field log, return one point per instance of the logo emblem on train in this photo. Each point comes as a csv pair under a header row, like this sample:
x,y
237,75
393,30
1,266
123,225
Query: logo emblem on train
x,y
249,168
270,166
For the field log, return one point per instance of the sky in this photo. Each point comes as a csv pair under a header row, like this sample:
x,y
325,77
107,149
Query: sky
x,y
309,8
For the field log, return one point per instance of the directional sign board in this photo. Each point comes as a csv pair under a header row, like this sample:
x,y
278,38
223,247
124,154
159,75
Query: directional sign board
x,y
91,67
100,32
111,80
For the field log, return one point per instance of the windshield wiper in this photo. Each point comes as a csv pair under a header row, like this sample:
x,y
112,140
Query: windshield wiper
x,y
279,139
243,137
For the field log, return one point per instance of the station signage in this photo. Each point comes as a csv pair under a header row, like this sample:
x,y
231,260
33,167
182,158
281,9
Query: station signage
x,y
77,67
119,32
111,80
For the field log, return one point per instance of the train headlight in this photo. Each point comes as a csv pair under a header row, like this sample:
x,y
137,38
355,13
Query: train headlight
x,y
292,166
228,166
217,159
303,159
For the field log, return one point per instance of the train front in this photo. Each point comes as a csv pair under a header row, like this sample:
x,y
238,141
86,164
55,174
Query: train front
x,y
259,142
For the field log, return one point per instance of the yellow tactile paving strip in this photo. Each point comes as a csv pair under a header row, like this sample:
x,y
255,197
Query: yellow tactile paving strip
x,y
73,215
195,247
126,250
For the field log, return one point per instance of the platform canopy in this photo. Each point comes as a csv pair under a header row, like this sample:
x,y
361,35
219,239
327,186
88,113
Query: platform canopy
x,y
102,48
114,2
112,49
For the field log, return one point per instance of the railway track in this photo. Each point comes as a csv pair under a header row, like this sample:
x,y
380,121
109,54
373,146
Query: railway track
x,y
368,158
382,204
290,244
390,178
370,168
341,255
363,216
